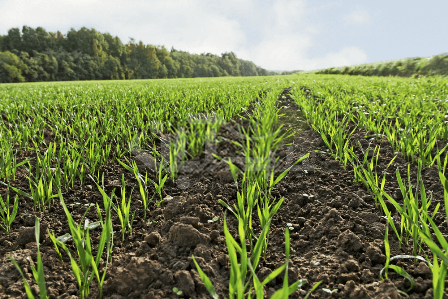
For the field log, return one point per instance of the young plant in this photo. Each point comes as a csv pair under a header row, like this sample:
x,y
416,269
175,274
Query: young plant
x,y
439,269
42,193
413,216
397,269
177,152
8,161
88,264
38,273
144,194
161,179
7,218
242,269
124,210
141,181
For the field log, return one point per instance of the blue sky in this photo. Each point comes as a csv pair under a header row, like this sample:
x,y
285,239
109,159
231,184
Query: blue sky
x,y
276,35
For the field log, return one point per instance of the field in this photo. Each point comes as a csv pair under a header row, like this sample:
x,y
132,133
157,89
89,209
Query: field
x,y
300,186
436,65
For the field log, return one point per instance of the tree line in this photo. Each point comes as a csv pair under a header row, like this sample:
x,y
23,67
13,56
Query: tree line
x,y
33,55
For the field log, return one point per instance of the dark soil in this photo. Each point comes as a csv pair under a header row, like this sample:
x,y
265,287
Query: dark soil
x,y
337,233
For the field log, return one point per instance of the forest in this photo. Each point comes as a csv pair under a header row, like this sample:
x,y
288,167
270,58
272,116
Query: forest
x,y
34,55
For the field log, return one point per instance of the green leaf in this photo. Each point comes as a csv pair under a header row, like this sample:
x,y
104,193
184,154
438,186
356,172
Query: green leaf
x,y
403,273
312,289
27,287
208,284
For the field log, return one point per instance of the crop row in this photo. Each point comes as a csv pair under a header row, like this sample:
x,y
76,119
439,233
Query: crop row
x,y
70,131
412,115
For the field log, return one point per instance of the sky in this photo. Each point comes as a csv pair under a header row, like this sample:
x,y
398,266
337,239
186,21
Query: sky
x,y
276,35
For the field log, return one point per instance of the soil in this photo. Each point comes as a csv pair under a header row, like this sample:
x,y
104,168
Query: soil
x,y
337,230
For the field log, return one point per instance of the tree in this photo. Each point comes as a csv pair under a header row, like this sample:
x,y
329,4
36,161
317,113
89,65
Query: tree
x,y
142,60
168,62
86,54
116,47
248,68
11,68
88,41
2,38
48,63
112,68
46,40
30,40
13,40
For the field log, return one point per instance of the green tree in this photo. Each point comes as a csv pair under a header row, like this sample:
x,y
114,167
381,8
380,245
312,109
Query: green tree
x,y
2,38
115,47
230,63
30,40
88,41
142,60
11,68
13,40
87,54
171,66
248,68
112,68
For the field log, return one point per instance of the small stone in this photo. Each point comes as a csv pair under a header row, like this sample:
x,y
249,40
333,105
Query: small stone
x,y
153,239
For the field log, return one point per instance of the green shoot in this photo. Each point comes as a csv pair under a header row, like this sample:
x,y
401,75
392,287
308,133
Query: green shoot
x,y
38,273
6,217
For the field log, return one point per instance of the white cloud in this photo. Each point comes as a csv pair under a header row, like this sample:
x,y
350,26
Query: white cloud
x,y
274,35
344,57
357,17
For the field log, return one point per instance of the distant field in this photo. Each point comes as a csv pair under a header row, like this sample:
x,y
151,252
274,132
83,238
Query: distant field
x,y
407,67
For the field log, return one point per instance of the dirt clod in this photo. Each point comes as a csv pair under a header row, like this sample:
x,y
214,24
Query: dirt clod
x,y
153,239
184,282
375,254
349,241
186,235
